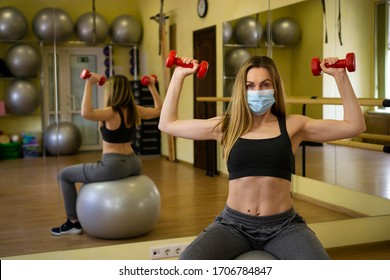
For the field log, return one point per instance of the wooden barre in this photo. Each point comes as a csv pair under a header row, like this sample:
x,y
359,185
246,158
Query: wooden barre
x,y
372,136
354,144
304,100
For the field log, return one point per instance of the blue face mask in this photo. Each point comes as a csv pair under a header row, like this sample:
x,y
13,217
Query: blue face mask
x,y
260,101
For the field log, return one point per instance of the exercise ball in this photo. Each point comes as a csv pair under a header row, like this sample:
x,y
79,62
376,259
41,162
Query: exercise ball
x,y
85,25
52,24
119,209
23,60
234,60
227,32
13,24
256,255
62,140
125,29
22,97
248,31
285,31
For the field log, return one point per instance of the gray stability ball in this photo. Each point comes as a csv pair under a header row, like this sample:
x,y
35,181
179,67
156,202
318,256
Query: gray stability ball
x,y
227,32
23,60
248,31
256,255
13,24
285,31
234,59
119,209
62,139
85,28
52,24
125,29
22,97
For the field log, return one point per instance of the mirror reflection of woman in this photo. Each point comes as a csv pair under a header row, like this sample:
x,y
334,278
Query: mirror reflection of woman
x,y
118,121
259,141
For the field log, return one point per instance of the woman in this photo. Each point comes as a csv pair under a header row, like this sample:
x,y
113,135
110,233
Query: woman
x,y
259,142
118,121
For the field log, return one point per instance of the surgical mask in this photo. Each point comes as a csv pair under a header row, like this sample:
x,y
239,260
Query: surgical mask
x,y
260,101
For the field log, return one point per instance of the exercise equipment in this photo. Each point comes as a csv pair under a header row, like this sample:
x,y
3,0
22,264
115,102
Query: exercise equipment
x,y
248,31
227,32
285,31
145,80
23,60
234,59
125,29
63,138
85,74
13,24
92,28
172,59
256,255
52,24
22,97
349,62
119,209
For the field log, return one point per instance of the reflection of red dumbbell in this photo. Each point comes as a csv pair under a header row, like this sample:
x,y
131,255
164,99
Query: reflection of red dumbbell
x,y
145,80
349,62
85,74
172,59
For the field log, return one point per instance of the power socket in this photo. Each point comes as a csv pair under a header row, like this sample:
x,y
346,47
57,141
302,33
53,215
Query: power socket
x,y
166,251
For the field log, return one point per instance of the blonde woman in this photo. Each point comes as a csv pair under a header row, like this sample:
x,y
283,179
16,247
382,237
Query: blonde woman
x,y
118,121
259,142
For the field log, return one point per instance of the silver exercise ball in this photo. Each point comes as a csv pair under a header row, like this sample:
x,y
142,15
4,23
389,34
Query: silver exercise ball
x,y
234,60
256,255
125,29
22,97
119,209
285,31
227,32
23,60
62,140
13,24
248,31
52,24
85,25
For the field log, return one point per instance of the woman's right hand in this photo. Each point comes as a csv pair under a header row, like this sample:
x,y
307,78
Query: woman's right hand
x,y
94,78
186,71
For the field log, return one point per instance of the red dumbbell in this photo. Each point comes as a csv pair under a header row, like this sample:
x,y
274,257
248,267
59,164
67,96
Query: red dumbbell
x,y
349,62
145,80
85,74
172,59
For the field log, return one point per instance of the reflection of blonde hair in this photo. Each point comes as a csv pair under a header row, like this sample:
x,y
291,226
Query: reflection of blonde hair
x,y
119,96
238,118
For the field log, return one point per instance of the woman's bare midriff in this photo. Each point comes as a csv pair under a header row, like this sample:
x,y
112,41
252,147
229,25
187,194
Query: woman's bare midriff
x,y
259,195
121,148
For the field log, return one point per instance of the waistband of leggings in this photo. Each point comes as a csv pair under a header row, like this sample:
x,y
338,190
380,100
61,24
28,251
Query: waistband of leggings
x,y
118,156
230,213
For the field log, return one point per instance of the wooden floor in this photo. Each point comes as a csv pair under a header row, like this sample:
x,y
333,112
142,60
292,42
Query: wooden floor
x,y
31,203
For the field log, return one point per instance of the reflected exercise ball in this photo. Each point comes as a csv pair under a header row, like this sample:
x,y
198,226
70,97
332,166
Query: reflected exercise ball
x,y
125,29
234,60
62,140
227,32
285,31
22,97
52,24
23,60
256,255
119,209
85,28
248,31
13,24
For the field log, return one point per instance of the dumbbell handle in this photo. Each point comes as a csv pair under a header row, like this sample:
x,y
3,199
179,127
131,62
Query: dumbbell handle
x,y
85,74
172,59
145,80
349,62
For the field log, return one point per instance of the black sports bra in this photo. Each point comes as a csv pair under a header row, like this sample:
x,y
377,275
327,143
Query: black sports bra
x,y
262,157
121,135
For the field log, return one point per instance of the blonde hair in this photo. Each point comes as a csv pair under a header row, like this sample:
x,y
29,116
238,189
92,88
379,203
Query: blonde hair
x,y
238,118
119,96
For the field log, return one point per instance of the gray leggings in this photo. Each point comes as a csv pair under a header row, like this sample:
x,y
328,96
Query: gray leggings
x,y
110,167
233,233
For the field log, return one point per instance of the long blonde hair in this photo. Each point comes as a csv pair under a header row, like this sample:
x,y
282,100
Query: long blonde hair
x,y
119,96
238,118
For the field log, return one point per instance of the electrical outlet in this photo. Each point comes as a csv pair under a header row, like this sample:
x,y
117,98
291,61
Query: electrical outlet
x,y
166,251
